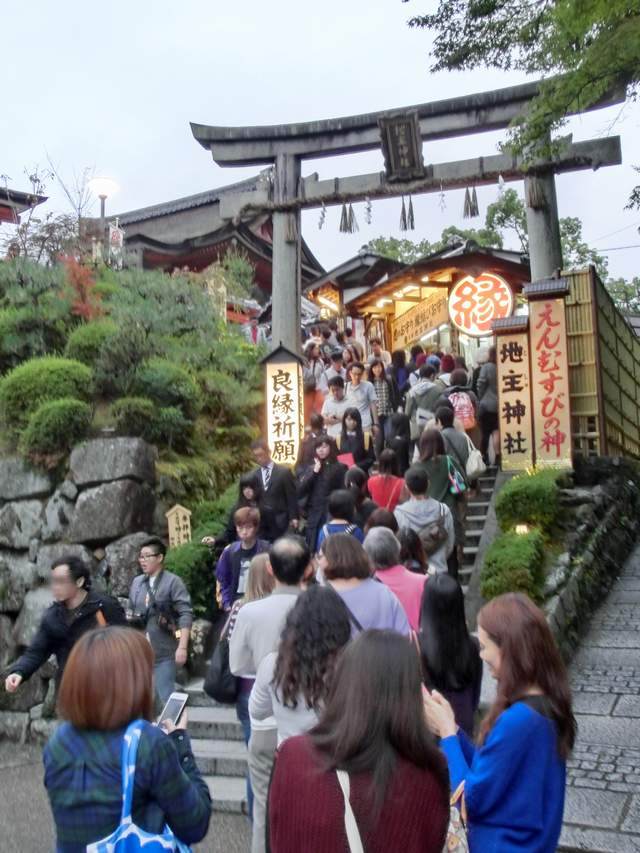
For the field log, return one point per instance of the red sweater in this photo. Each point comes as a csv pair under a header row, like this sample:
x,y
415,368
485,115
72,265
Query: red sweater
x,y
306,807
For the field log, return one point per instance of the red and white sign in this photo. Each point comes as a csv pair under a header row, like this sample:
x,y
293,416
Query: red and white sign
x,y
474,303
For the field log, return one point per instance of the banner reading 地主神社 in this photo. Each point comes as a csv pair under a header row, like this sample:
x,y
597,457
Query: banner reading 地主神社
x,y
550,385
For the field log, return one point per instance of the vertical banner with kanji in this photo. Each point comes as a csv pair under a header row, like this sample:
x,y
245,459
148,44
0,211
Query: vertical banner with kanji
x,y
514,399
551,407
284,403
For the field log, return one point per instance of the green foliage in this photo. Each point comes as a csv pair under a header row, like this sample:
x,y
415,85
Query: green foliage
x,y
408,252
626,294
133,415
56,426
171,428
168,384
210,517
508,214
530,499
576,254
514,563
120,356
193,563
37,381
28,332
584,50
86,341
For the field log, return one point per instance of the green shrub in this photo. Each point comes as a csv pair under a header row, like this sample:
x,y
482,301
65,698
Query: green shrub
x,y
514,563
168,384
133,416
85,342
530,499
195,565
170,427
28,332
56,426
210,517
37,381
120,357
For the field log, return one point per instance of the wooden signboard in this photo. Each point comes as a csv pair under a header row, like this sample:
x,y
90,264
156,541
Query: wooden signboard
x,y
285,405
551,404
514,395
427,315
179,522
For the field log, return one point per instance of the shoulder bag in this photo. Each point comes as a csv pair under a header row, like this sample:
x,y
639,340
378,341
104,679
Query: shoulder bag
x,y
475,463
220,683
129,838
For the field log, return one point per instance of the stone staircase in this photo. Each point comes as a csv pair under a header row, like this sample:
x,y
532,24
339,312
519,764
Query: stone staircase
x,y
477,509
219,750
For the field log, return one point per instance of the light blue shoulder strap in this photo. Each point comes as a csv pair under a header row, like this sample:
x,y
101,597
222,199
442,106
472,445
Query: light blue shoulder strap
x,y
130,742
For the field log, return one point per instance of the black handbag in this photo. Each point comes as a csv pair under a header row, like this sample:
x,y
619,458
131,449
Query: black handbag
x,y
220,683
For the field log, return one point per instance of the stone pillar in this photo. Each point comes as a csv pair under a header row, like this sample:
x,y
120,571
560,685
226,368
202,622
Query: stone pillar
x,y
545,251
285,281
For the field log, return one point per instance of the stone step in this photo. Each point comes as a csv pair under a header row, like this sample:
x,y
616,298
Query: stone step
x,y
478,504
229,793
198,698
473,534
473,522
220,757
218,723
487,480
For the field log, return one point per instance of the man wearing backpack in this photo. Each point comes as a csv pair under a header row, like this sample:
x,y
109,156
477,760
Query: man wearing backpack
x,y
430,519
421,400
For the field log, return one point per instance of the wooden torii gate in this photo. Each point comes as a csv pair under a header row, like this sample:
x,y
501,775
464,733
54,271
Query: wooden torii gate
x,y
400,133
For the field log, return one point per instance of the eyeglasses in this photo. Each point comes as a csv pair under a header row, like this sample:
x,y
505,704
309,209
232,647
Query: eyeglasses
x,y
147,556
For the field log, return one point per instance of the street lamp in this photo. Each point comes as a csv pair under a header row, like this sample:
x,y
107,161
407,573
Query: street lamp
x,y
103,187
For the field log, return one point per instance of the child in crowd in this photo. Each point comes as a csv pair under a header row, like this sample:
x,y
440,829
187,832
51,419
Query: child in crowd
x,y
341,510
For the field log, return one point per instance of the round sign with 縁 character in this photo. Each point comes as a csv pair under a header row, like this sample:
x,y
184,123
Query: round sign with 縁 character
x,y
474,303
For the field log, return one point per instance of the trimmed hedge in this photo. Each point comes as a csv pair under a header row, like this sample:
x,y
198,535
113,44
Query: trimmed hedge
x,y
168,384
530,499
37,381
85,342
514,563
133,416
56,426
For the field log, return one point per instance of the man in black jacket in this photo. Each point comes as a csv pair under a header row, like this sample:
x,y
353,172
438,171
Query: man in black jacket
x,y
278,491
76,610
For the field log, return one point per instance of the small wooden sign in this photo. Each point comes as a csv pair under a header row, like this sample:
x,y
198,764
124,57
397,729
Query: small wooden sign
x,y
514,394
551,402
179,521
416,322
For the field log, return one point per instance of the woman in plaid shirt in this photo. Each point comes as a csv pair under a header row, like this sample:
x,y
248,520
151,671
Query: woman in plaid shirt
x,y
108,683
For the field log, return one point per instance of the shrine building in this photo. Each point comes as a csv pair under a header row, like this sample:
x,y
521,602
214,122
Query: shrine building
x,y
446,301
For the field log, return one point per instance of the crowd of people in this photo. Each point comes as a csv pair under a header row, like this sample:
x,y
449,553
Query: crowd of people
x,y
354,675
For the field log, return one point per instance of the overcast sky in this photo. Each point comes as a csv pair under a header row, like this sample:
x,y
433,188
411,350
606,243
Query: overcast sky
x,y
114,86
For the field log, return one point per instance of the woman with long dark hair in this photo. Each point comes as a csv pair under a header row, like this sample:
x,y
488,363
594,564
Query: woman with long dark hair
x,y
249,494
292,683
412,555
514,780
323,477
441,468
353,440
373,731
356,481
399,441
388,396
450,656
385,487
488,407
399,371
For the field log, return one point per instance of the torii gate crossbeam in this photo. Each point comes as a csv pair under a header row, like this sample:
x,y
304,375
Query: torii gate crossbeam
x,y
286,146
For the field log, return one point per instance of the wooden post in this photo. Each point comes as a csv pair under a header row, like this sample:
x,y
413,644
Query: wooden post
x,y
543,225
286,288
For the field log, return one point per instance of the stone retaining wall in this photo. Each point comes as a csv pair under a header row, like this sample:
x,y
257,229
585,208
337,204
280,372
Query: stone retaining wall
x,y
602,508
99,509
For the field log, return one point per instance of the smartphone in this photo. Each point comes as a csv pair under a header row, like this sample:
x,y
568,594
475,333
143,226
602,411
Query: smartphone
x,y
174,708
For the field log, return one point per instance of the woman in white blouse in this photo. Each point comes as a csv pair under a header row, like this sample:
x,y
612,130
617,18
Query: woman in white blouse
x,y
292,683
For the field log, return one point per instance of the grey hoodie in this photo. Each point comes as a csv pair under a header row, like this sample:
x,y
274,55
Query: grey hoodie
x,y
420,398
414,514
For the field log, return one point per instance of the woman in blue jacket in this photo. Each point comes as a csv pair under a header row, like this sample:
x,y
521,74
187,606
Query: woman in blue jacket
x,y
514,779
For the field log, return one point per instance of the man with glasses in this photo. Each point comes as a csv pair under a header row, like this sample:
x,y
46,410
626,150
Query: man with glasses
x,y
160,604
361,395
76,609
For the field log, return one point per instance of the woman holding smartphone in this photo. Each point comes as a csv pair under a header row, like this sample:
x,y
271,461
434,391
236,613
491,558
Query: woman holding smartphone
x,y
514,779
108,684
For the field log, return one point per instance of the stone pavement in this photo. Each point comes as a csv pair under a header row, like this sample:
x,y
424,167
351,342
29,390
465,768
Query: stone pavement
x,y
26,825
602,811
